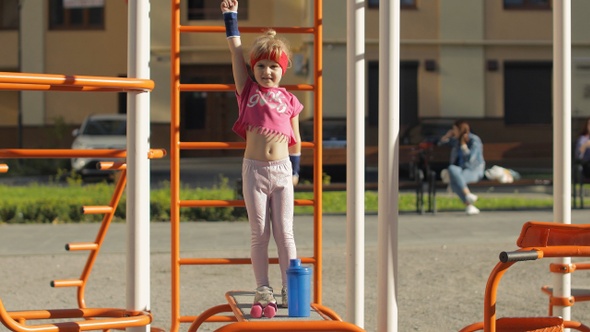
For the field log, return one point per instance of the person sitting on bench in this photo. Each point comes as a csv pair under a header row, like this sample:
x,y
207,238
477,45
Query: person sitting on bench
x,y
582,152
467,164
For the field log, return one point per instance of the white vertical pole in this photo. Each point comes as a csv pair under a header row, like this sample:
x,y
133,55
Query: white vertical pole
x,y
562,137
355,161
388,181
138,165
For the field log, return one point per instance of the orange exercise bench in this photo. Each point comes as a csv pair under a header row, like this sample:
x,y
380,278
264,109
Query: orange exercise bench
x,y
537,240
239,303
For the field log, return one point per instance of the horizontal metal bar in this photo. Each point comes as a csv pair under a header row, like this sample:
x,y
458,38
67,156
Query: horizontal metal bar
x,y
210,28
76,81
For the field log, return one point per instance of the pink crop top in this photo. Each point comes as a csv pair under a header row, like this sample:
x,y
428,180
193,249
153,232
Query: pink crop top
x,y
267,110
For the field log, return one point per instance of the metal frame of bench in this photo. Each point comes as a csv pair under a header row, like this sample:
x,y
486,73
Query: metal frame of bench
x,y
408,154
578,181
434,185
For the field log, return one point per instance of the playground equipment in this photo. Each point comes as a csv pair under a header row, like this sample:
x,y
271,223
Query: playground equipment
x,y
327,320
577,294
73,83
537,240
82,318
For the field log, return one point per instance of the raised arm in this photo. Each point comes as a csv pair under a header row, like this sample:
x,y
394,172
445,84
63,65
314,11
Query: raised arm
x,y
229,8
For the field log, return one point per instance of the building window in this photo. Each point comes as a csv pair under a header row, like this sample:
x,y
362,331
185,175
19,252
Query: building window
x,y
408,71
75,17
527,4
199,10
9,14
527,92
404,4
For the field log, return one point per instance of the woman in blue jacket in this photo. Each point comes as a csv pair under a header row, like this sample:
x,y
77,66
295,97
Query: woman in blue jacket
x,y
466,163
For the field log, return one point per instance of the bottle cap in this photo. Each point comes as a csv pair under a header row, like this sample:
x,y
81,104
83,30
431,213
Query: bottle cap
x,y
295,262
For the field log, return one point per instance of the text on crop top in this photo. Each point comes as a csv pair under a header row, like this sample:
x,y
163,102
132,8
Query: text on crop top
x,y
268,110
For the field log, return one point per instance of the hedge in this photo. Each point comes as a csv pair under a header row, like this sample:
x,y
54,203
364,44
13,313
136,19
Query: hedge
x,y
59,203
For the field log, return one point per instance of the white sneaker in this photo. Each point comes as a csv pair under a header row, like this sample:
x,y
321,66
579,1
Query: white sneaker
x,y
471,198
264,295
284,299
471,210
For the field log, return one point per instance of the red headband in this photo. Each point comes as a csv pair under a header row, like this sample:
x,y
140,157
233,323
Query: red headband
x,y
283,60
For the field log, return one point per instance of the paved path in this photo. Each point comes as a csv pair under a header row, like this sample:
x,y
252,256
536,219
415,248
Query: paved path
x,y
414,229
444,261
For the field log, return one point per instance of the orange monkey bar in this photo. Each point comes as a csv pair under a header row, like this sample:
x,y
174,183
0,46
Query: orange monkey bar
x,y
26,81
82,318
61,153
224,145
537,240
232,87
193,28
71,153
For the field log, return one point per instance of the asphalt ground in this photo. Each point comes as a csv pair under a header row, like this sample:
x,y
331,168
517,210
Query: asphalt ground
x,y
443,264
443,261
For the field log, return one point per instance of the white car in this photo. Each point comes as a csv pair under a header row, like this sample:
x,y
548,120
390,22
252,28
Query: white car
x,y
99,131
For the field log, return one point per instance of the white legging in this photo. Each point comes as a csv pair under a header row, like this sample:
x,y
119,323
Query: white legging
x,y
268,195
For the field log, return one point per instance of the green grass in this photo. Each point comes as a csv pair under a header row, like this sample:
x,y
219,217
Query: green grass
x,y
58,203
335,202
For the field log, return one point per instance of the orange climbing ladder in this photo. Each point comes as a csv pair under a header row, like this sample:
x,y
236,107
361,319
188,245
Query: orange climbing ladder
x,y
81,318
95,246
230,312
109,212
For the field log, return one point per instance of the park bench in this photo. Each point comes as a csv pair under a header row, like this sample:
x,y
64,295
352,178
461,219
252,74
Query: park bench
x,y
515,155
409,159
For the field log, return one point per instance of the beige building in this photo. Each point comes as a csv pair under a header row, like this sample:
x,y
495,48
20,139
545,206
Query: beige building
x,y
485,60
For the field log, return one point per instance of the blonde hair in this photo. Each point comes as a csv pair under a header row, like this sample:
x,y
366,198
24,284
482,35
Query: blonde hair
x,y
269,46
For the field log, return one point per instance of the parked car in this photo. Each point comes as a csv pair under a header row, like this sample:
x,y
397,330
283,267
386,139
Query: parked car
x,y
99,131
334,144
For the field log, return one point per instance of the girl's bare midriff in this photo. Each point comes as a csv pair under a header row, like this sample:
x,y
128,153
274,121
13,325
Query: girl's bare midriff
x,y
266,147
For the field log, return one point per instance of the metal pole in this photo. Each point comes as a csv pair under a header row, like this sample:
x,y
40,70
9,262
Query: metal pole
x,y
20,68
355,161
138,166
562,137
388,181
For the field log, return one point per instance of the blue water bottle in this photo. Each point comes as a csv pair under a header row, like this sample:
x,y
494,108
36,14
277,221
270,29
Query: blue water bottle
x,y
298,288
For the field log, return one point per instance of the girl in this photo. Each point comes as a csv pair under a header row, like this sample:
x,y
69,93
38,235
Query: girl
x,y
466,163
269,122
